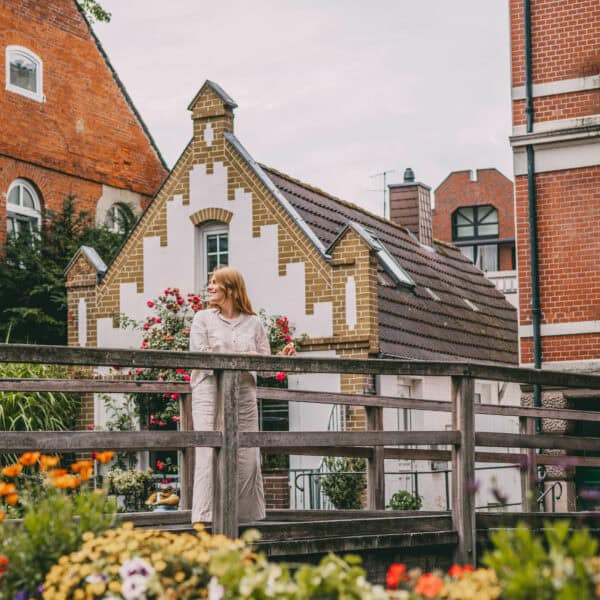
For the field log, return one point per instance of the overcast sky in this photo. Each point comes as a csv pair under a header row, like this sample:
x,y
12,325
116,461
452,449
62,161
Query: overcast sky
x,y
328,91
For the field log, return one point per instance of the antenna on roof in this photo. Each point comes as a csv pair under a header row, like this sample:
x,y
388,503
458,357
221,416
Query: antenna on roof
x,y
384,174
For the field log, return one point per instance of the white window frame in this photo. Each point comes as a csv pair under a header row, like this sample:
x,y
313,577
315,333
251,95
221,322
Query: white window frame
x,y
32,214
120,214
38,95
202,233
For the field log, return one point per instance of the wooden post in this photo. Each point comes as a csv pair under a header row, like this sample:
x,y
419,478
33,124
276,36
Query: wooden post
x,y
225,462
186,470
528,469
376,463
463,474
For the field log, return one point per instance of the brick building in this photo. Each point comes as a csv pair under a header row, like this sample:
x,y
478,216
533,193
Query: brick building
x,y
556,145
356,284
68,125
474,210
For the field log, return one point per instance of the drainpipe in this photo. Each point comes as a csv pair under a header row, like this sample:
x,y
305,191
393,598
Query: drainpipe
x,y
536,312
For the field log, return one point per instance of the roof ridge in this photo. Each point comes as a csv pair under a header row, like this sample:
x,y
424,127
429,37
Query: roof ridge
x,y
317,190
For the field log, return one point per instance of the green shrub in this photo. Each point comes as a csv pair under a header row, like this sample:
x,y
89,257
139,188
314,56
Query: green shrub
x,y
134,486
345,481
558,566
404,500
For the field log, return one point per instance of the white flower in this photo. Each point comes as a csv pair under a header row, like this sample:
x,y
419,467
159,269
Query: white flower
x,y
215,590
134,587
136,566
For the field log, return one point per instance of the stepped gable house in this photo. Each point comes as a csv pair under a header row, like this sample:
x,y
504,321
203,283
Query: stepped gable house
x,y
356,284
68,124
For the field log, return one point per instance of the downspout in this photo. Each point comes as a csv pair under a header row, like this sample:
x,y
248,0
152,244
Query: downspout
x,y
536,312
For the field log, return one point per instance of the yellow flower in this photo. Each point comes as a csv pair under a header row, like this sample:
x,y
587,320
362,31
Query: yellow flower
x,y
115,586
179,576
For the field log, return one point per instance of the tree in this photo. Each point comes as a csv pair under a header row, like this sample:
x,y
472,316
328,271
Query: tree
x,y
33,298
93,11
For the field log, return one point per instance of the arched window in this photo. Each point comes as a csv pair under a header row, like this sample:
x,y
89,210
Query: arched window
x,y
119,218
473,228
23,209
24,73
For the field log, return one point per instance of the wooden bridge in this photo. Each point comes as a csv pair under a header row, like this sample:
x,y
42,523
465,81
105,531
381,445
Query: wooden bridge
x,y
427,538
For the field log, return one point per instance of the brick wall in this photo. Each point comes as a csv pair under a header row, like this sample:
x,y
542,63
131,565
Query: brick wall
x,y
85,127
565,39
277,489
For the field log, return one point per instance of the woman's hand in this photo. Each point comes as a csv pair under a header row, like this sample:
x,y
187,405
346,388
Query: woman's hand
x,y
288,350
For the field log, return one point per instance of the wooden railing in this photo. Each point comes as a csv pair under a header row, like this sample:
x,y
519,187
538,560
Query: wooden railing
x,y
374,444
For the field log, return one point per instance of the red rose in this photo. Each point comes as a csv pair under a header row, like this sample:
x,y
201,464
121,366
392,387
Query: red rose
x,y
288,338
186,377
280,376
180,371
90,427
174,396
395,575
455,571
150,304
160,465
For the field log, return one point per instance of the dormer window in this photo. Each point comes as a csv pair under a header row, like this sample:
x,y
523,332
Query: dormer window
x,y
24,71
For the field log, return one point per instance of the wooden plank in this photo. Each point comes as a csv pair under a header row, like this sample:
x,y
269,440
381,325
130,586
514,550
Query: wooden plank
x,y
422,404
186,471
90,441
109,386
356,452
558,442
316,439
463,502
352,399
375,463
529,468
225,505
189,360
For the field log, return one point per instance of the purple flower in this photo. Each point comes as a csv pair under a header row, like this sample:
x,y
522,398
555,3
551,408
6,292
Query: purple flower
x,y
591,495
21,595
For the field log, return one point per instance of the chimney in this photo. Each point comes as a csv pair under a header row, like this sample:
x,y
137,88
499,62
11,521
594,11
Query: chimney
x,y
410,206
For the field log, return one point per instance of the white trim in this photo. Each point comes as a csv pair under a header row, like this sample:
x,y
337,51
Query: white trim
x,y
558,157
82,322
553,329
38,95
202,231
553,88
571,366
558,125
33,214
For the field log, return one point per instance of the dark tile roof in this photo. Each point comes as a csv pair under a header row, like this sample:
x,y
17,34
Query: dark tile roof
x,y
414,325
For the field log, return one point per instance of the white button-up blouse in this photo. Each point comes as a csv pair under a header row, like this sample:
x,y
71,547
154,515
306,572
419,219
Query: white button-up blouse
x,y
211,332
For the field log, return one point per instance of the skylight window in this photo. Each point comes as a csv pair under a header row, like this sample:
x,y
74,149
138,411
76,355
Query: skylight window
x,y
388,262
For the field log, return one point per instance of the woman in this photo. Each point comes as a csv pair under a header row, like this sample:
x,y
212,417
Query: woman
x,y
228,325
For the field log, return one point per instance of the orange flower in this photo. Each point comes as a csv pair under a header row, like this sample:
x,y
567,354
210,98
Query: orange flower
x,y
104,457
12,499
395,574
48,462
85,468
456,571
7,488
66,482
58,472
3,564
2,516
428,585
12,470
29,458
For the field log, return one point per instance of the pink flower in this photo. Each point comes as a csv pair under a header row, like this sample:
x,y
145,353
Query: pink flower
x,y
181,371
90,427
161,424
152,420
157,320
174,396
288,338
144,345
146,326
167,291
176,419
160,465
280,376
149,304
180,300
139,371
186,377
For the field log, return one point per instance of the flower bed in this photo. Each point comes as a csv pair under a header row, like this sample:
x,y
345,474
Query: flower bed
x,y
64,548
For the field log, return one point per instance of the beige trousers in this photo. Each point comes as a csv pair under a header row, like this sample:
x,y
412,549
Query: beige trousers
x,y
250,483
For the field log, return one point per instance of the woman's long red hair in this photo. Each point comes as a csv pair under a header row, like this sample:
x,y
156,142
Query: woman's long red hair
x,y
228,278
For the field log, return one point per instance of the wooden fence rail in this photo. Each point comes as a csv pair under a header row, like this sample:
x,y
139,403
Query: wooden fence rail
x,y
374,444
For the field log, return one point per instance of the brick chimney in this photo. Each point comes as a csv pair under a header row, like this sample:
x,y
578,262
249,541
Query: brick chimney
x,y
410,206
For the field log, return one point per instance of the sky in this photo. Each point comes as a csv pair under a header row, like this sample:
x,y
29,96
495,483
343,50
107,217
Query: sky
x,y
332,92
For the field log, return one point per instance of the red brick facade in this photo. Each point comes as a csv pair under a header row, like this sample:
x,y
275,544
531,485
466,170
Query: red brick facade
x,y
85,134
489,186
566,143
